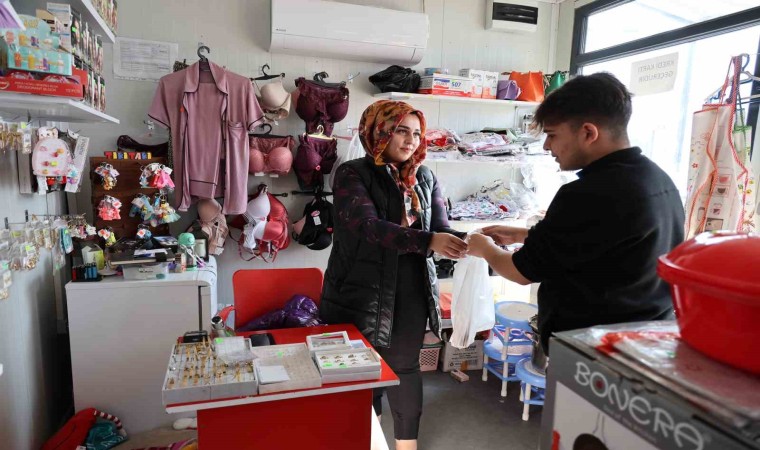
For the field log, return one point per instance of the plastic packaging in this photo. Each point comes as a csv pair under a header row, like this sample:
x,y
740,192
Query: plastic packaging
x,y
299,311
472,307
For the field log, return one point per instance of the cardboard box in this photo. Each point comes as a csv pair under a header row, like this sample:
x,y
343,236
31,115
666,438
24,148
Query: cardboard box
x,y
445,85
470,358
589,393
39,87
476,89
490,83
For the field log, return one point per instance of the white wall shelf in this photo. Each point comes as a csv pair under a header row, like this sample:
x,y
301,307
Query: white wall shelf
x,y
452,99
91,15
16,106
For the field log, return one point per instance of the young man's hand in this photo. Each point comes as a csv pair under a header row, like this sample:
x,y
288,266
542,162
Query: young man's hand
x,y
504,235
479,244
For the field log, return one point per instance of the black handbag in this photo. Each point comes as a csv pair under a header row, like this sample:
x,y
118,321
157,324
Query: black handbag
x,y
396,79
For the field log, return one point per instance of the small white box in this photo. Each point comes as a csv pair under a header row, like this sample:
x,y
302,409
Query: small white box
x,y
490,83
341,366
146,271
476,88
445,85
328,341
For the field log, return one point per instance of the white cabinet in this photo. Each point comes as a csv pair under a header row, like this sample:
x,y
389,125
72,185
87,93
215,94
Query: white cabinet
x,y
121,333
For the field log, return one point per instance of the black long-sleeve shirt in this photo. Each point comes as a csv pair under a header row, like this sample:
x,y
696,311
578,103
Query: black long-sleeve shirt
x,y
595,253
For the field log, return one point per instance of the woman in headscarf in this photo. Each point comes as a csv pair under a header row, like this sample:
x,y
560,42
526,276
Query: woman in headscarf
x,y
390,218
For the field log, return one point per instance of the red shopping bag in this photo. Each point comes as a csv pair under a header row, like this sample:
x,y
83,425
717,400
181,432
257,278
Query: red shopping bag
x,y
531,84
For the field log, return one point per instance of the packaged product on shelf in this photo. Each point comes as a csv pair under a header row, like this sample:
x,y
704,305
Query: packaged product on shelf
x,y
102,94
114,15
490,83
76,33
445,85
98,54
34,49
476,88
42,84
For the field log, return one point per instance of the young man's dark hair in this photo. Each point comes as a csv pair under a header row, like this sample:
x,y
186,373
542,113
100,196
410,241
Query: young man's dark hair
x,y
599,98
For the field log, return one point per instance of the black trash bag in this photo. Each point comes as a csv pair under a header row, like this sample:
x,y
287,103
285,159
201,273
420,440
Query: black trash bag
x,y
396,79
299,311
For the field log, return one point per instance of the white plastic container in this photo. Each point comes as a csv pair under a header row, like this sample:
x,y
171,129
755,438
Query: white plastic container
x,y
146,271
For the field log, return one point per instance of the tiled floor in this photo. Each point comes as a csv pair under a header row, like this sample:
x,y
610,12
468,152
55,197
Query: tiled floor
x,y
470,415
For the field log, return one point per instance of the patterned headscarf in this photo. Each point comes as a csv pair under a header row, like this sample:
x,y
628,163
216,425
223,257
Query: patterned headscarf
x,y
376,128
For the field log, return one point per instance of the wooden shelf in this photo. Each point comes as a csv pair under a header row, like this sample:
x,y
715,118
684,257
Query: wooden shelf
x,y
55,109
452,99
91,15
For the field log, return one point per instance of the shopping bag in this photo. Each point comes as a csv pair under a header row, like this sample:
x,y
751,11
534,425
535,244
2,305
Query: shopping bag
x,y
554,81
472,307
531,84
355,150
721,187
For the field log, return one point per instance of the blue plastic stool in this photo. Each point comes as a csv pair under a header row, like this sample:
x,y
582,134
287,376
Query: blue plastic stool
x,y
513,319
531,382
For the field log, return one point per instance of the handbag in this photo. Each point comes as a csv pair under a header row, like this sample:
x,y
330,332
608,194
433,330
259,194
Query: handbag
x,y
396,79
554,81
721,188
507,90
531,84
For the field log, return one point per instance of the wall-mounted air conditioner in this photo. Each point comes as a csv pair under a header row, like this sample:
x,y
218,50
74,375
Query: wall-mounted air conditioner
x,y
346,31
515,16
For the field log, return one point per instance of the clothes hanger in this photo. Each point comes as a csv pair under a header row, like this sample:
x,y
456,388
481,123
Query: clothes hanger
x,y
203,60
267,76
319,78
267,133
320,134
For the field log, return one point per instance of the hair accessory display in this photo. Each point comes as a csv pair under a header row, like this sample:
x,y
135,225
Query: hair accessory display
x,y
141,206
108,208
108,175
157,176
51,156
162,211
108,236
143,232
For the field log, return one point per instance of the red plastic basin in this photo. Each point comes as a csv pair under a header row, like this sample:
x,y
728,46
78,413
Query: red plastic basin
x,y
715,282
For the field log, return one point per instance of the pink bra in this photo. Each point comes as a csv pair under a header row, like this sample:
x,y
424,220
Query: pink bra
x,y
271,154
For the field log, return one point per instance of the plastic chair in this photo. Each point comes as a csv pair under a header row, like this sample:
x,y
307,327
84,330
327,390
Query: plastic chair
x,y
529,379
513,318
258,291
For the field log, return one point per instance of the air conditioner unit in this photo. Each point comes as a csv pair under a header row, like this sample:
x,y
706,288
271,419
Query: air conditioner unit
x,y
515,16
346,31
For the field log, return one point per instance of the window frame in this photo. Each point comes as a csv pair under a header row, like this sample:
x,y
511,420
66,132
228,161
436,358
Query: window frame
x,y
690,33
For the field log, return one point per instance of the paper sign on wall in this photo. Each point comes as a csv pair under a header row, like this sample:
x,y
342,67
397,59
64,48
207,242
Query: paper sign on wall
x,y
654,75
137,59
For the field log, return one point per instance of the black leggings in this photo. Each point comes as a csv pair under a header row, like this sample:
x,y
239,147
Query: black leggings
x,y
410,316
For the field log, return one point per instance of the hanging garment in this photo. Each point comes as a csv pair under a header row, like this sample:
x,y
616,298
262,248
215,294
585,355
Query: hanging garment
x,y
274,100
209,114
320,105
271,154
721,192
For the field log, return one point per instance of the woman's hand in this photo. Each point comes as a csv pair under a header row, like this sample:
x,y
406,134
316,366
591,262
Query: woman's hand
x,y
448,245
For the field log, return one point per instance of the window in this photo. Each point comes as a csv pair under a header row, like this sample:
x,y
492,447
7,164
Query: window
x,y
612,35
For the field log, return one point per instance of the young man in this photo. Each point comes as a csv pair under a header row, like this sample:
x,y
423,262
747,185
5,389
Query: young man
x,y
596,251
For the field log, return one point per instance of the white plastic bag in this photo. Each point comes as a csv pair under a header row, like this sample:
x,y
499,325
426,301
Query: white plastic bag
x,y
472,307
355,150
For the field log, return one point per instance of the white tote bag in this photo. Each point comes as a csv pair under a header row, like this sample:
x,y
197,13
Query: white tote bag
x,y
355,150
721,192
472,306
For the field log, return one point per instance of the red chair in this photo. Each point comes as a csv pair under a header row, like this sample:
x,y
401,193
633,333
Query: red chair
x,y
258,291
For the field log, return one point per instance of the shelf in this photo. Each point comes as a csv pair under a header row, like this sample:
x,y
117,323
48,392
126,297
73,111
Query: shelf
x,y
91,15
55,109
452,99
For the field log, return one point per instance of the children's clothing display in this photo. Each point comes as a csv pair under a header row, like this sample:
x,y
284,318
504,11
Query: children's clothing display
x,y
209,111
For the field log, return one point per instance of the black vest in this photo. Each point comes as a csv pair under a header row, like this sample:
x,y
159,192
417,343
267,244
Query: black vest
x,y
360,281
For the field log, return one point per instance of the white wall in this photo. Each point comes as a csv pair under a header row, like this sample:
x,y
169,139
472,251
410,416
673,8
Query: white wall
x,y
238,34
32,364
